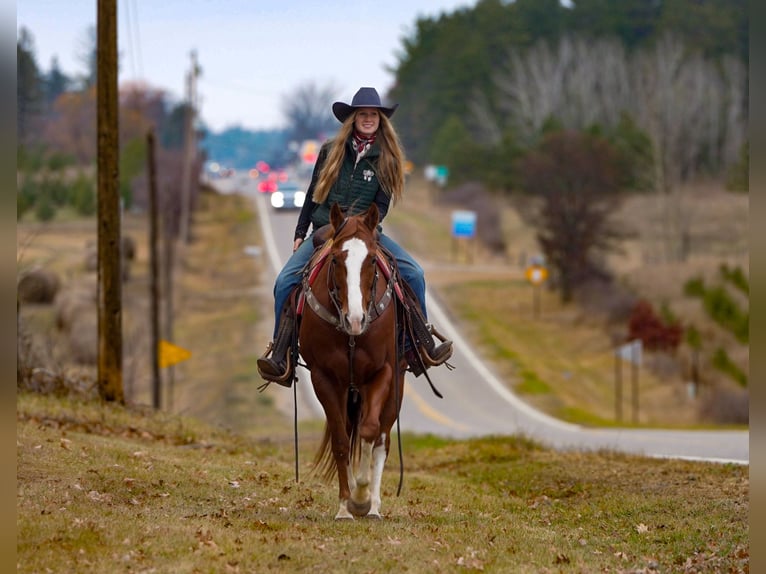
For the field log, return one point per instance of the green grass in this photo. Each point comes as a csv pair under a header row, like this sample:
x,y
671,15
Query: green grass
x,y
106,489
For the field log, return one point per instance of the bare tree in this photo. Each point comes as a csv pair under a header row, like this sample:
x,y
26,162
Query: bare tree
x,y
307,111
693,110
575,177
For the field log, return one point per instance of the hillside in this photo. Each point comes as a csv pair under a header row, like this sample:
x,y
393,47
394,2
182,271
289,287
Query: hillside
x,y
106,489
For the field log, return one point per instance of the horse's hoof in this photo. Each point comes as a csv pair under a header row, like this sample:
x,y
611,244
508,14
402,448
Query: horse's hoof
x,y
359,508
374,516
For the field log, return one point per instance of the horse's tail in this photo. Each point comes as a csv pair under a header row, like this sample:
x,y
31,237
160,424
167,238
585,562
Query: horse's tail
x,y
324,462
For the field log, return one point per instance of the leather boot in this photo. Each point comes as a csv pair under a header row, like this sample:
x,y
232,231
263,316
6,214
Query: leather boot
x,y
278,367
431,354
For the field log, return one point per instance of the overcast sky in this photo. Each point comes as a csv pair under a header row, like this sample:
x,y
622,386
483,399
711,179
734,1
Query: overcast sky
x,y
252,52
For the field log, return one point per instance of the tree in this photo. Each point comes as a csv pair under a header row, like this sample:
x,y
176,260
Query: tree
x,y
88,55
56,83
575,177
28,86
307,111
72,129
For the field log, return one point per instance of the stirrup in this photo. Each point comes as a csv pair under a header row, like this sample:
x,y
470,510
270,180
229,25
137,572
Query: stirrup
x,y
285,379
440,357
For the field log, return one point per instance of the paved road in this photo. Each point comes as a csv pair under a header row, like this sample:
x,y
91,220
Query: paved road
x,y
477,403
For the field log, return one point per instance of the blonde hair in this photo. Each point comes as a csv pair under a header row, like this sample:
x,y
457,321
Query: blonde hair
x,y
390,162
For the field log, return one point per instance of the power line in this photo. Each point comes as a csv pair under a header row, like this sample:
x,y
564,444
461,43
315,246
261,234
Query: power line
x,y
137,33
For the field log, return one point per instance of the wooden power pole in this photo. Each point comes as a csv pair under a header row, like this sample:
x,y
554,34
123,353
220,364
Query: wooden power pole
x,y
109,256
190,149
154,274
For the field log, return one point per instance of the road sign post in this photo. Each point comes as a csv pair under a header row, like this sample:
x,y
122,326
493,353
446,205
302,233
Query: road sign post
x,y
630,352
463,230
536,274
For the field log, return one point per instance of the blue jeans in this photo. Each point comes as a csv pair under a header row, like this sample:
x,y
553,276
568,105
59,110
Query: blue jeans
x,y
290,275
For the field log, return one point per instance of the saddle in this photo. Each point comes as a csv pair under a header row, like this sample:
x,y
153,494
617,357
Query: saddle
x,y
410,320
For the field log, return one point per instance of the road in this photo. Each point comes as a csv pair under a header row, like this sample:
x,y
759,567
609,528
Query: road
x,y
477,403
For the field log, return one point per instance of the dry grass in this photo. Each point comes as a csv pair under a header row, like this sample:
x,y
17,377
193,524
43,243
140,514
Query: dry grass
x,y
215,312
106,489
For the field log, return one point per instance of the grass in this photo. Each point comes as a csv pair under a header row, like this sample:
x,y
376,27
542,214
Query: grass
x,y
106,489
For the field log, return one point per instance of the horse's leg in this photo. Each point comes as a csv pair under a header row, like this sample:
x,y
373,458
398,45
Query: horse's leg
x,y
388,417
335,413
379,455
359,502
369,431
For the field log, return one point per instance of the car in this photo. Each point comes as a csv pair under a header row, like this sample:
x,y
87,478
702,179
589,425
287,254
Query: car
x,y
267,186
288,196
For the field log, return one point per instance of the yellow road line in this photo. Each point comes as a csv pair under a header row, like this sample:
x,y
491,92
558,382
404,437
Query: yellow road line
x,y
411,394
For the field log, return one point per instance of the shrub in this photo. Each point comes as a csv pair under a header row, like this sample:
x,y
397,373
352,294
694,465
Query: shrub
x,y
45,210
82,196
720,306
723,363
38,286
726,313
695,287
736,277
726,406
25,198
644,324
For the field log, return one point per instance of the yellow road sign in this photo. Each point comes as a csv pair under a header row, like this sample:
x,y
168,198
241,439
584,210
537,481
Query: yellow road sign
x,y
171,354
536,274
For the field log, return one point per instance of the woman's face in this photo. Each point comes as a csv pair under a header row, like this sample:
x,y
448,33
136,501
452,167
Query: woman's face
x,y
367,121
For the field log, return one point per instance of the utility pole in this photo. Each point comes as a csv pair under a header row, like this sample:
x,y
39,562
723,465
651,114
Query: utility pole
x,y
109,259
154,291
190,148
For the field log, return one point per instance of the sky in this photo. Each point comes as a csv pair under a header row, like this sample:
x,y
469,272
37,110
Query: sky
x,y
252,53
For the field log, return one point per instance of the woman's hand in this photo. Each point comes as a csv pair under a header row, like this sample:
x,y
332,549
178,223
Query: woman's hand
x,y
297,244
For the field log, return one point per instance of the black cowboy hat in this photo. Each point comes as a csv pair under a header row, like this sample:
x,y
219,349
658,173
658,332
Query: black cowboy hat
x,y
364,98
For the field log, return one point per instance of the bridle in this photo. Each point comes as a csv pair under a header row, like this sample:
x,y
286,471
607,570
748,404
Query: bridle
x,y
334,317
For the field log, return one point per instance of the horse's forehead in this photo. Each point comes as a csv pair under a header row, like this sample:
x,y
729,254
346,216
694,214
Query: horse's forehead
x,y
353,246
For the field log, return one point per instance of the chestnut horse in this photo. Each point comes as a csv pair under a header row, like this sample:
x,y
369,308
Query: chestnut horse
x,y
347,339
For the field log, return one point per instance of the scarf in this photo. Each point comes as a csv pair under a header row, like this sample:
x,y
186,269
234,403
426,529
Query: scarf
x,y
363,143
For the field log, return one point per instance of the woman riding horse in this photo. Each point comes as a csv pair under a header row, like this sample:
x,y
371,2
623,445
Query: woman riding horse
x,y
361,166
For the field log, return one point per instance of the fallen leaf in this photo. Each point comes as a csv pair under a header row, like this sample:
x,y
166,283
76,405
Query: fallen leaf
x,y
641,528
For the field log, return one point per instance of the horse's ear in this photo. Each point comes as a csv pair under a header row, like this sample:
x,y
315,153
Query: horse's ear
x,y
371,217
336,216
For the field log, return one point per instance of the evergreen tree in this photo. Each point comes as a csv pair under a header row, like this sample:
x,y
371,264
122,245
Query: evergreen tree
x,y
29,95
56,83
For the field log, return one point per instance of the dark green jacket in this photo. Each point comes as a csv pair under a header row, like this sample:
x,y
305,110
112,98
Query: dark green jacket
x,y
356,188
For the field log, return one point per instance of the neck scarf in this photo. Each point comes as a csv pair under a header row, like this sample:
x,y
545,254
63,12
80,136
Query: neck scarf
x,y
362,143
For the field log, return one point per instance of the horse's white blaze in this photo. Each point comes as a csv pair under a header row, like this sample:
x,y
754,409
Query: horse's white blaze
x,y
357,253
378,460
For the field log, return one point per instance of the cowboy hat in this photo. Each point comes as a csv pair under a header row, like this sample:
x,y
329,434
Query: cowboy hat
x,y
364,98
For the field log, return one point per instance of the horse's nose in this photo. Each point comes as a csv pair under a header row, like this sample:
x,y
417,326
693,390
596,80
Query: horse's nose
x,y
356,325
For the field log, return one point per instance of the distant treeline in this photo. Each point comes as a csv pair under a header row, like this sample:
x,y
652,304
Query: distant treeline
x,y
479,86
